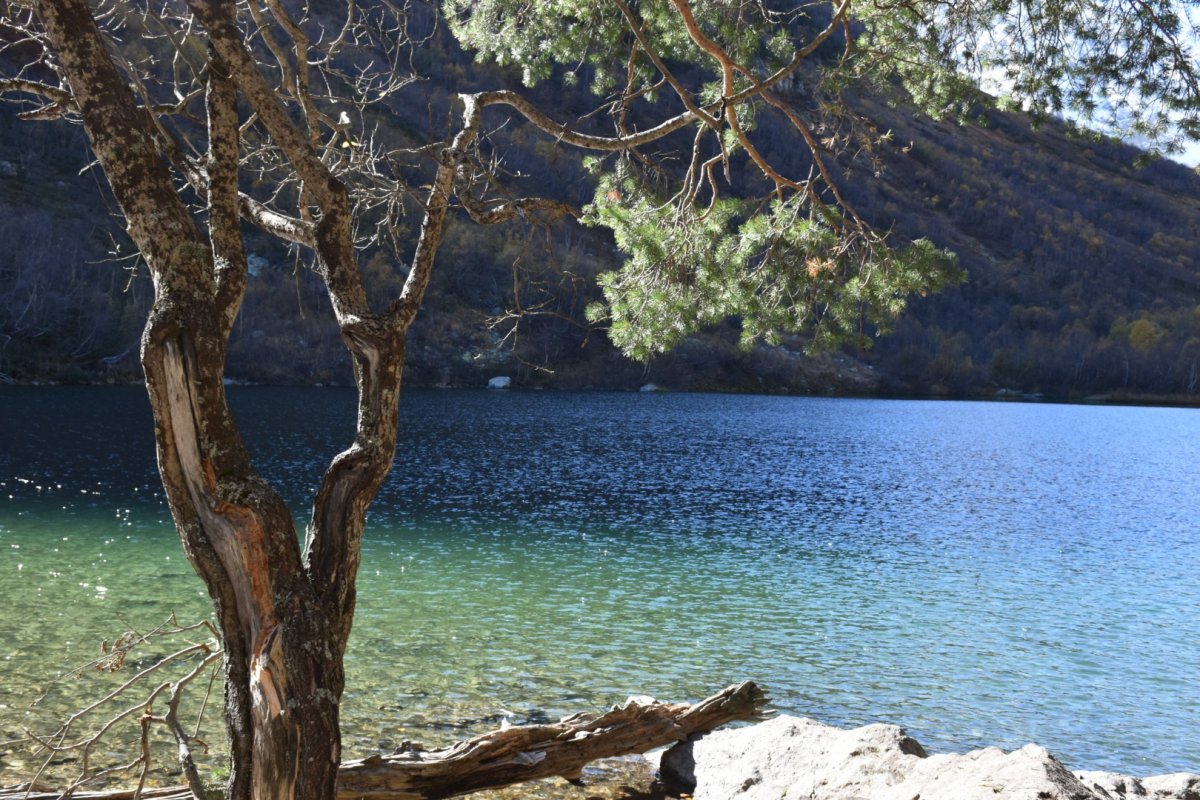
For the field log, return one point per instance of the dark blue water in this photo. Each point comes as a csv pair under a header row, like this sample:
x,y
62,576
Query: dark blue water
x,y
982,573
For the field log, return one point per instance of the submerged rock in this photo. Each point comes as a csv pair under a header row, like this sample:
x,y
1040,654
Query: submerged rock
x,y
800,758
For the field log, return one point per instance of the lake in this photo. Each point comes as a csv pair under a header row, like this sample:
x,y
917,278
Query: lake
x,y
981,573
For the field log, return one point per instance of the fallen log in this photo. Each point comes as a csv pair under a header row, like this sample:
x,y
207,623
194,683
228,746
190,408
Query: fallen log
x,y
511,755
528,752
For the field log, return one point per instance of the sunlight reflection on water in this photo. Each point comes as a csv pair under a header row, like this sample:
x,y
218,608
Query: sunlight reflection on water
x,y
981,573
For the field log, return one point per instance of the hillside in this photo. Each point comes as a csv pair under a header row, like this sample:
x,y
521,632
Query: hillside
x,y
1084,271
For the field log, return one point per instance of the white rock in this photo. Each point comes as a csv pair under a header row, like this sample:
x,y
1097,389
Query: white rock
x,y
500,382
1118,787
801,758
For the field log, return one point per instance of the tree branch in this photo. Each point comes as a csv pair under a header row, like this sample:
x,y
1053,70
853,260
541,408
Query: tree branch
x,y
55,94
60,104
483,214
404,308
529,752
224,36
333,238
224,213
638,29
564,132
122,137
290,229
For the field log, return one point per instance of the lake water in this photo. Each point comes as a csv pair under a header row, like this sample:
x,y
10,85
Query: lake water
x,y
982,573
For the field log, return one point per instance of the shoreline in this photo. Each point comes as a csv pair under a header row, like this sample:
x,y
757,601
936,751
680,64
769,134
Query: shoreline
x,y
1109,399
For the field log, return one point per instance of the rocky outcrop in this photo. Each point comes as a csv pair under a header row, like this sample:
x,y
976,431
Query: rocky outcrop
x,y
790,757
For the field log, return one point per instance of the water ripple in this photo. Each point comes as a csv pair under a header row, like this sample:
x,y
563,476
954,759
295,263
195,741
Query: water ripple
x,y
982,573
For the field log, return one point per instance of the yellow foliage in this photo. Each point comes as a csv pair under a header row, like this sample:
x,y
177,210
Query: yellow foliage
x,y
1144,334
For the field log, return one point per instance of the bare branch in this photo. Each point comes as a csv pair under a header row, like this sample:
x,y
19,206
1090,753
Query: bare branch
x,y
565,133
61,102
171,719
404,309
290,229
55,94
491,213
225,39
333,236
64,740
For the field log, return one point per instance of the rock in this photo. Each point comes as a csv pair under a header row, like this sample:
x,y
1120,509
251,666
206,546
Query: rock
x,y
1175,786
500,382
1030,772
1110,784
791,757
801,758
651,387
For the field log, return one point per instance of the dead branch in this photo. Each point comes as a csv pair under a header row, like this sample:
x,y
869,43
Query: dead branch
x,y
67,740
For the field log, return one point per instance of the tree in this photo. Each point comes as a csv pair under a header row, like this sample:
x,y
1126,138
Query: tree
x,y
206,114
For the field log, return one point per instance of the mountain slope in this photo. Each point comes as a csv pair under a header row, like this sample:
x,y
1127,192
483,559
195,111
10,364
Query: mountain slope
x,y
1084,271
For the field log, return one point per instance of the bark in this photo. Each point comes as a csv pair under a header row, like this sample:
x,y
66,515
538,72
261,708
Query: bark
x,y
516,754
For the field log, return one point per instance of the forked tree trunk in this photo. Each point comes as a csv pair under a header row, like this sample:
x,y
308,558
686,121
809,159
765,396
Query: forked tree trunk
x,y
284,669
284,627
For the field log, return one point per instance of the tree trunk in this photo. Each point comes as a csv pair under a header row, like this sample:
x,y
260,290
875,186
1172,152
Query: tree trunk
x,y
284,669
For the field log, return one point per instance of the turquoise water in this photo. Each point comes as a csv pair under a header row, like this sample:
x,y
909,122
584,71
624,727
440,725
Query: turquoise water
x,y
982,573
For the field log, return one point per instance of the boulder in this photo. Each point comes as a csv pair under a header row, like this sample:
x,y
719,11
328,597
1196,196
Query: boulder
x,y
800,758
500,382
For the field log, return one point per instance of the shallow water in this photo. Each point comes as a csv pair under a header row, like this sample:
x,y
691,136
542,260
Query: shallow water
x,y
983,573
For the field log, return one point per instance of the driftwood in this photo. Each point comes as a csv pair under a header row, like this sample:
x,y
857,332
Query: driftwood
x,y
527,752
511,755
